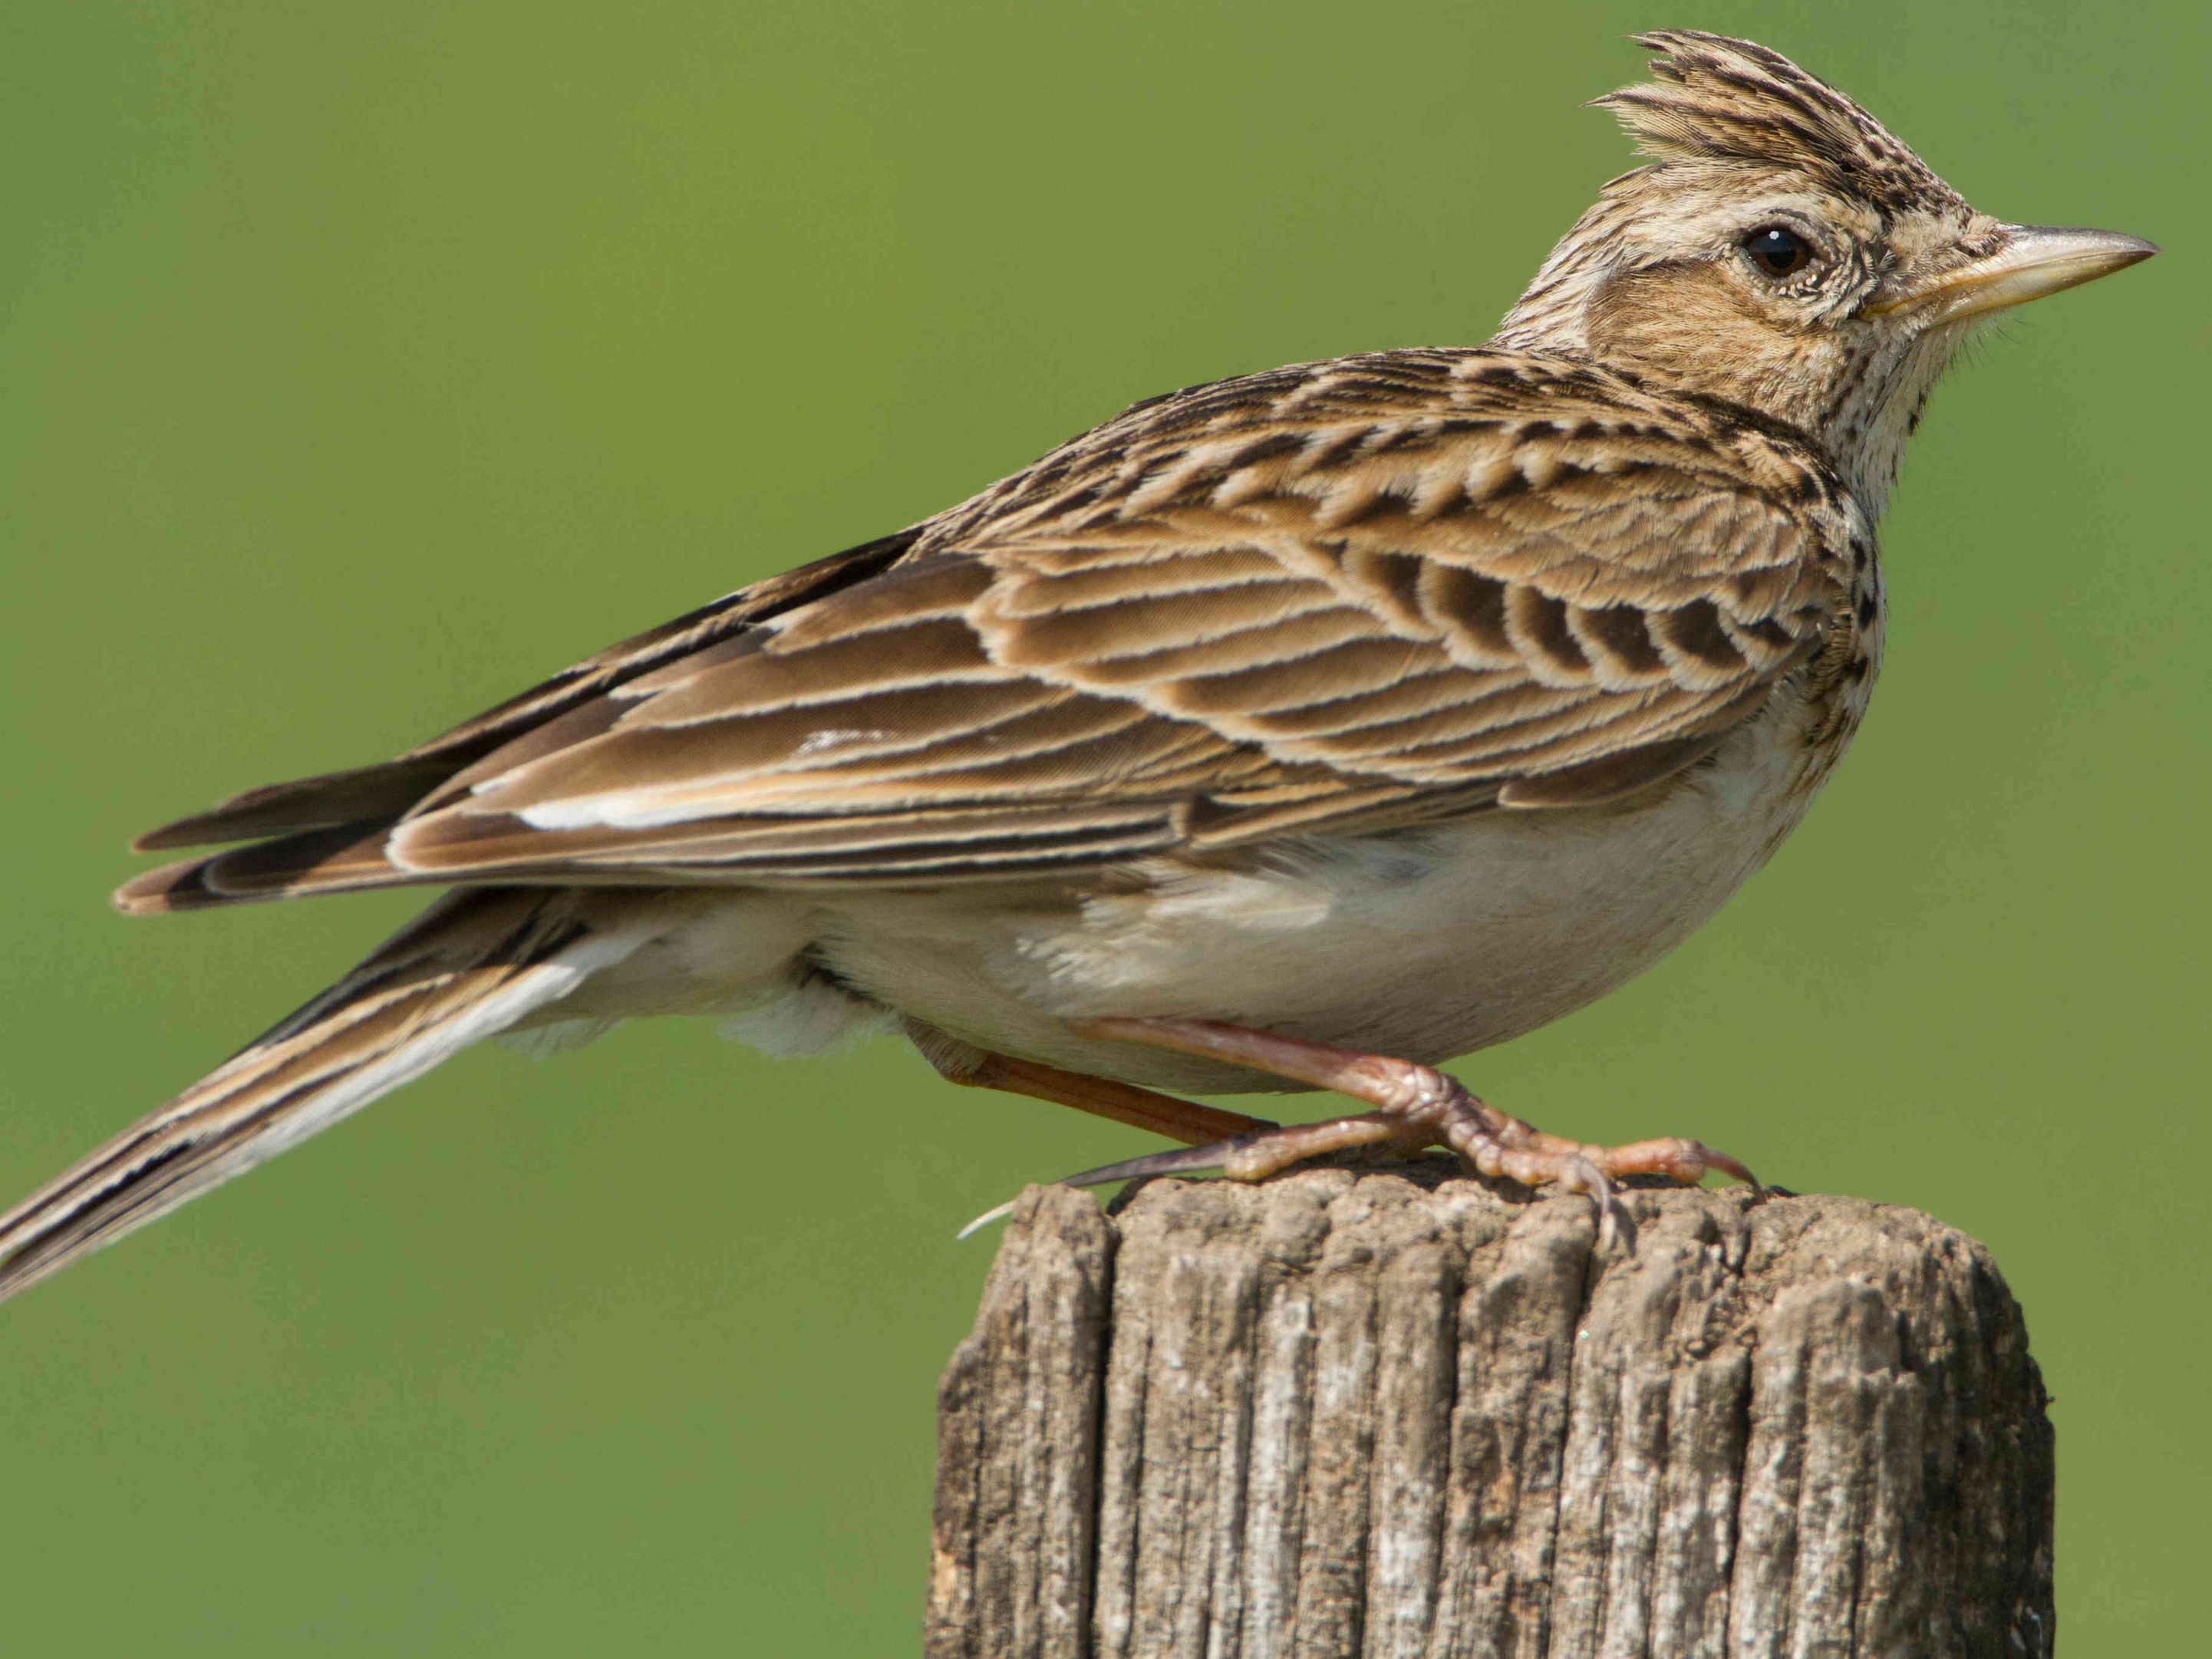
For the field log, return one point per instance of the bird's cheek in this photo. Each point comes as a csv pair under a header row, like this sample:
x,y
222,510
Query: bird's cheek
x,y
1690,325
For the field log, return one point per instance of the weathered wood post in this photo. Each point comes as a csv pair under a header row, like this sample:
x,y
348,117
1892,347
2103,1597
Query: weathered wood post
x,y
1389,1414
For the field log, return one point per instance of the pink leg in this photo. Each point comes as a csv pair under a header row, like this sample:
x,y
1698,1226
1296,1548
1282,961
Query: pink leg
x,y
1416,1105
1142,1108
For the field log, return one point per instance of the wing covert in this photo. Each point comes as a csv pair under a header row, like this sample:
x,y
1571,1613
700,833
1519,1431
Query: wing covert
x,y
1365,594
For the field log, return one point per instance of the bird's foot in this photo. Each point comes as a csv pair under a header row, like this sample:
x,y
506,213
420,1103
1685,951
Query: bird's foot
x,y
1416,1106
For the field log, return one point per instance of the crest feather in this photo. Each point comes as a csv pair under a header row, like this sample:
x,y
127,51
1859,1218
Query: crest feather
x,y
1716,100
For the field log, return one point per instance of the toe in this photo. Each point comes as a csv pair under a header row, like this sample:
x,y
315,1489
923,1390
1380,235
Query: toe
x,y
1686,1162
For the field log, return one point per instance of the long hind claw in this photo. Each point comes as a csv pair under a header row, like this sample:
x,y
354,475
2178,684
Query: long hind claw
x,y
1183,1160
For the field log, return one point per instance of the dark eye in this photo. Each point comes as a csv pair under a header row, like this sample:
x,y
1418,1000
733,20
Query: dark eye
x,y
1777,251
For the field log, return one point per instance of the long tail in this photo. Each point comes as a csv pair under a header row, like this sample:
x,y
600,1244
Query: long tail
x,y
472,964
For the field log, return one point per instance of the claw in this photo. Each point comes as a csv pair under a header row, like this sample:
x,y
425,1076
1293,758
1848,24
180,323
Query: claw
x,y
998,1213
1733,1168
1616,1224
1183,1160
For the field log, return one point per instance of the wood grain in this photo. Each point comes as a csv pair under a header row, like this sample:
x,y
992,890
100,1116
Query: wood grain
x,y
1390,1414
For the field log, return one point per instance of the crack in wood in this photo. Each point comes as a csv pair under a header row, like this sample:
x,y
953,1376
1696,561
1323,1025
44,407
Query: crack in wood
x,y
1408,1416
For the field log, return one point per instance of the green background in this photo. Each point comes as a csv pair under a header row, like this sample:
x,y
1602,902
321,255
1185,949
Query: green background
x,y
361,363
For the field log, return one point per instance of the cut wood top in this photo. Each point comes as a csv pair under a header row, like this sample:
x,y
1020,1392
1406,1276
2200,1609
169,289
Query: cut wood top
x,y
1399,1413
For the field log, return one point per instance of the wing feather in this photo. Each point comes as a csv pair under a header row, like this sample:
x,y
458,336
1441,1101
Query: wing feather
x,y
1357,594
392,787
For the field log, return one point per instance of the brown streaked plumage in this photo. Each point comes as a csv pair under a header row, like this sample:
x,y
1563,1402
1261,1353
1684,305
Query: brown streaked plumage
x,y
1393,704
1189,629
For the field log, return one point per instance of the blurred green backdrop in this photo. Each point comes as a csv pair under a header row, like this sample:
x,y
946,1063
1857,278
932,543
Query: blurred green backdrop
x,y
361,363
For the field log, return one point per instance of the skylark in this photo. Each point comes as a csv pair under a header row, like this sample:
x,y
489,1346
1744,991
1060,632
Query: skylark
x,y
1389,706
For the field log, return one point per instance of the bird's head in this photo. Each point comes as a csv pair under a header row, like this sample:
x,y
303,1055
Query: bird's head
x,y
1783,252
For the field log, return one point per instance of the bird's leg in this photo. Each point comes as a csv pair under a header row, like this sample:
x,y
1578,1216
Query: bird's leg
x,y
1125,1103
1417,1105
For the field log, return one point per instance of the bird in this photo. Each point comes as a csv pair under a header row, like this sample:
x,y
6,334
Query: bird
x,y
1299,730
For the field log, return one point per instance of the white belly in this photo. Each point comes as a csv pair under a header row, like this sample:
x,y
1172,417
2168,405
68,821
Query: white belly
x,y
1422,944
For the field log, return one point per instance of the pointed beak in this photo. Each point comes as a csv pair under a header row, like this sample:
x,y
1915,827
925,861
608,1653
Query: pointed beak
x,y
2033,260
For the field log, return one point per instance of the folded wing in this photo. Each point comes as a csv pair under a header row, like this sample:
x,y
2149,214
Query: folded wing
x,y
1351,595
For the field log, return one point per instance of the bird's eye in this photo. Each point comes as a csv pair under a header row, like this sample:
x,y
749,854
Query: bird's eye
x,y
1778,251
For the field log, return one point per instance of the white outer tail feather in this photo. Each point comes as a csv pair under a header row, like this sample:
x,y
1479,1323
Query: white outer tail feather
x,y
481,961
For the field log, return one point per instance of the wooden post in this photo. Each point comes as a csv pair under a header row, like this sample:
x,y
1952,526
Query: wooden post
x,y
1391,1414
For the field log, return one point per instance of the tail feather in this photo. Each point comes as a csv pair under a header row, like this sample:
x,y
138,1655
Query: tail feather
x,y
471,965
